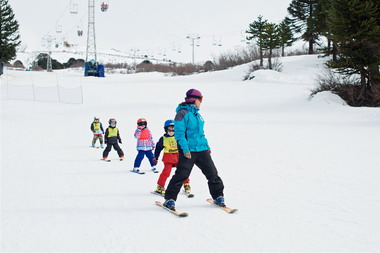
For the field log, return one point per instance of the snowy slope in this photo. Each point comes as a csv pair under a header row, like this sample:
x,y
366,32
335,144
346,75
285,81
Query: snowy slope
x,y
303,174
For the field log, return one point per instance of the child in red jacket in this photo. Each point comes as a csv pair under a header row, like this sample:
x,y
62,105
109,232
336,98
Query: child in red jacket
x,y
168,143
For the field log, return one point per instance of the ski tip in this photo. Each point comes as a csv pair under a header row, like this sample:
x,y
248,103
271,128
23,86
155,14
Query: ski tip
x,y
183,214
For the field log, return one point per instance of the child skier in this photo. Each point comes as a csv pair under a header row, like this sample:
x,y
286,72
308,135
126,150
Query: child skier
x,y
97,129
168,143
111,138
145,145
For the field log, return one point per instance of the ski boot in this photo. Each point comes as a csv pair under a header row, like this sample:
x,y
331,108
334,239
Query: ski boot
x,y
154,170
220,201
121,158
160,190
187,188
93,145
170,204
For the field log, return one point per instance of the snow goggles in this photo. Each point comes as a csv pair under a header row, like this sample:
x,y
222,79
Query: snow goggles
x,y
171,130
197,97
141,124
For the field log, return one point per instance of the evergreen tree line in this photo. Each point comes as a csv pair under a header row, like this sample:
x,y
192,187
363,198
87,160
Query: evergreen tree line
x,y
352,30
72,62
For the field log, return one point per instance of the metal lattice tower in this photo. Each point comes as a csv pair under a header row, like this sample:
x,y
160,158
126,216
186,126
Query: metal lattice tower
x,y
49,39
91,42
49,67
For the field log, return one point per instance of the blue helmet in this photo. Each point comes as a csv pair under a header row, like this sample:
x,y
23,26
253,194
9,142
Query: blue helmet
x,y
169,122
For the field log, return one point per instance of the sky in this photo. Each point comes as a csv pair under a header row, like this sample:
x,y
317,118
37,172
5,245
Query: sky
x,y
153,27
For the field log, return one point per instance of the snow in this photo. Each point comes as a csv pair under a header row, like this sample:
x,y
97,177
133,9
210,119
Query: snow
x,y
304,173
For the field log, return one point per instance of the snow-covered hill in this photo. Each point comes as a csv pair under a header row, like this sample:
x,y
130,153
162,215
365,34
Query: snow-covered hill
x,y
304,174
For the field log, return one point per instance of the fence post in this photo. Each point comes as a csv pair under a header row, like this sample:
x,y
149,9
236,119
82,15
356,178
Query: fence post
x,y
59,94
7,88
34,93
81,88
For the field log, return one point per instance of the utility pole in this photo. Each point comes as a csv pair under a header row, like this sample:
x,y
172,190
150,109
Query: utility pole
x,y
193,37
91,42
134,50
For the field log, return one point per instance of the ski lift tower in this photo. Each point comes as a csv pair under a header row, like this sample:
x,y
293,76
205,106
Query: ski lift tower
x,y
91,42
91,66
49,39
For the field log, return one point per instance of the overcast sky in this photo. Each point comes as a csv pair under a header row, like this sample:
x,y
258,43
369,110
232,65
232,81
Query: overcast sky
x,y
152,26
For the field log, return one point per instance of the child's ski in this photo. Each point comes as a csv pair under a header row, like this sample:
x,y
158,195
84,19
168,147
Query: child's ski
x,y
227,209
158,194
138,172
107,160
179,214
189,195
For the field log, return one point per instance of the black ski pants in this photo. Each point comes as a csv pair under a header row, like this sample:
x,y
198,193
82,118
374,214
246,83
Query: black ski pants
x,y
204,162
115,146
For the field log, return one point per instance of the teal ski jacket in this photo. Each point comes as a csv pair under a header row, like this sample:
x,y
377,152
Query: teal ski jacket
x,y
188,127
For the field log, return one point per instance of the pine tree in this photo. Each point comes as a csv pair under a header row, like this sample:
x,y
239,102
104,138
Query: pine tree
x,y
270,40
286,35
321,14
303,20
9,36
355,26
256,29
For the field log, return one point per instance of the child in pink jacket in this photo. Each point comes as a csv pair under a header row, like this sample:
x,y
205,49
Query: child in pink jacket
x,y
145,145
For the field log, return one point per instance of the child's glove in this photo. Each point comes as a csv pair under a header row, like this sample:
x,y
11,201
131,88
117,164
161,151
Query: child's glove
x,y
187,155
